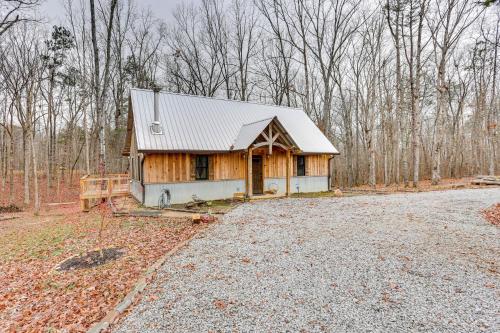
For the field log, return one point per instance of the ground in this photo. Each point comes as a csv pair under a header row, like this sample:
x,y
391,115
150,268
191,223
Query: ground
x,y
36,297
414,262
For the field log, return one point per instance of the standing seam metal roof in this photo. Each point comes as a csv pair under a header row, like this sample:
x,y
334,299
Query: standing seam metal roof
x,y
197,123
249,132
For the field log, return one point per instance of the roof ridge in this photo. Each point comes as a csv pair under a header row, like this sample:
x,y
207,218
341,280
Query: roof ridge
x,y
258,121
222,99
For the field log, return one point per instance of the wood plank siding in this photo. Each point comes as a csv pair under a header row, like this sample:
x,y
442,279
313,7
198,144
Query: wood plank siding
x,y
178,167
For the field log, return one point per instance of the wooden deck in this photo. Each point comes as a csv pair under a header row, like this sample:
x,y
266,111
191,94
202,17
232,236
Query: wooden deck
x,y
94,188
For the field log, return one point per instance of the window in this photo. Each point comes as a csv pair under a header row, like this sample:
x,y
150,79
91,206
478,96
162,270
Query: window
x,y
301,165
201,172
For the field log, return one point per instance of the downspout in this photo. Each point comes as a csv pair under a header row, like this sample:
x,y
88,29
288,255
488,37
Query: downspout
x,y
330,173
142,180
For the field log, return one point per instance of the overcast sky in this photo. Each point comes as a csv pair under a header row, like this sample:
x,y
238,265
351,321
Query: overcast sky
x,y
53,9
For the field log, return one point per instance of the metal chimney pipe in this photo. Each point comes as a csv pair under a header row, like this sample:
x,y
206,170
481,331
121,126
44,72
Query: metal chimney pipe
x,y
156,128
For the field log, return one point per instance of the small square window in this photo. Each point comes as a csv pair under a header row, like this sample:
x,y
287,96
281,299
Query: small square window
x,y
201,167
301,165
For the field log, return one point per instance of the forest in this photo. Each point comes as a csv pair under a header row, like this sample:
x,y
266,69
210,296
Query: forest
x,y
405,89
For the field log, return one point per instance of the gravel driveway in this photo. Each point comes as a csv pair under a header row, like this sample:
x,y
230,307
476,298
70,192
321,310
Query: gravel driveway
x,y
424,262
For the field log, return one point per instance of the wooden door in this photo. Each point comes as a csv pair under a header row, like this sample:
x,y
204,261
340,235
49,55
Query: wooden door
x,y
257,175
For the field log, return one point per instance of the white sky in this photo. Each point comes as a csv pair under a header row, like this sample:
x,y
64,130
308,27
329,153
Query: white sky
x,y
54,10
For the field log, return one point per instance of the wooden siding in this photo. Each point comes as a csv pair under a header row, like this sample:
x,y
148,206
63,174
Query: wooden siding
x,y
317,165
177,167
134,169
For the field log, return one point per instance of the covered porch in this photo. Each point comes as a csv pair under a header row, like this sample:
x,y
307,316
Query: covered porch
x,y
268,150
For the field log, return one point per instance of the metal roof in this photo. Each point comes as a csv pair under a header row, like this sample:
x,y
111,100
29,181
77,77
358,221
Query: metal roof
x,y
249,132
196,123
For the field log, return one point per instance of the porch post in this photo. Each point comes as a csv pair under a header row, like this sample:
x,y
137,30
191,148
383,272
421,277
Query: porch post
x,y
249,188
288,172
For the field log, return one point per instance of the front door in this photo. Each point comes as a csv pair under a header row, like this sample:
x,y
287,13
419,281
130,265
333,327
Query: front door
x,y
257,175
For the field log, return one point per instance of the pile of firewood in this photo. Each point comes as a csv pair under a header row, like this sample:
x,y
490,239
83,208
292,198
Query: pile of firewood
x,y
486,180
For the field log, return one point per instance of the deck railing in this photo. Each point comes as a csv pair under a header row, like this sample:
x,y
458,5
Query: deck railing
x,y
94,187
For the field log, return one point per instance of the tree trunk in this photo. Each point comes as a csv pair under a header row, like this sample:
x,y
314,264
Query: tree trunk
x,y
493,109
438,130
371,162
50,120
404,153
11,161
27,157
35,173
87,141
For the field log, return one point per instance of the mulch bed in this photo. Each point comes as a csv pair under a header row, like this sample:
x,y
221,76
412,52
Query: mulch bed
x,y
10,209
90,259
492,214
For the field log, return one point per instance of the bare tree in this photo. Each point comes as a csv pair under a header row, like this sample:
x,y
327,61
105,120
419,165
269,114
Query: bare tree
x,y
332,27
244,44
101,82
447,22
15,11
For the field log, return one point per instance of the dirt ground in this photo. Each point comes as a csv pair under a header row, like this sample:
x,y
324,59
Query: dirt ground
x,y
423,185
65,192
34,296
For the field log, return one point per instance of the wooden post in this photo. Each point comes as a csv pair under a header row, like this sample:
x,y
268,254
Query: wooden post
x,y
270,139
83,202
110,187
249,189
288,172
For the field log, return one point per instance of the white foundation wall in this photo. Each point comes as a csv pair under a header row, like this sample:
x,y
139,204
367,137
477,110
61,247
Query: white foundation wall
x,y
298,184
136,189
223,189
183,192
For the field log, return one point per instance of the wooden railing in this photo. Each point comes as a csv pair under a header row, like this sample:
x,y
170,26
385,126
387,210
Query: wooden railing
x,y
94,187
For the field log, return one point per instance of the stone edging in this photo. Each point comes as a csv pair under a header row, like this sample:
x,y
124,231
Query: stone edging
x,y
139,287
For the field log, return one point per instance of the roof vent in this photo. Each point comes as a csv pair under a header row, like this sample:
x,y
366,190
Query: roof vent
x,y
155,125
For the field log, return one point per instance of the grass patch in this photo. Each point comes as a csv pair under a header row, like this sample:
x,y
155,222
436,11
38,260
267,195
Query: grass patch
x,y
324,194
313,194
41,238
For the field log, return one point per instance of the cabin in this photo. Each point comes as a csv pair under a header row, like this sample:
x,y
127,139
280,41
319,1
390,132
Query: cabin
x,y
215,148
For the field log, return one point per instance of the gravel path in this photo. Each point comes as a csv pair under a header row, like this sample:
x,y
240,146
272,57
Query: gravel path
x,y
424,262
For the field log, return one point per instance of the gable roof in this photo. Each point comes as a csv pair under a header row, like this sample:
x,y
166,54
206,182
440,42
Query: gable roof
x,y
249,132
195,123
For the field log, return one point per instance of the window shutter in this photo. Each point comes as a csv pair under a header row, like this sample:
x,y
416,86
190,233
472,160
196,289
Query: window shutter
x,y
193,167
211,167
305,166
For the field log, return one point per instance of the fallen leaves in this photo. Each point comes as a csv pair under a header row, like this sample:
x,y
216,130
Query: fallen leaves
x,y
190,267
220,304
246,260
394,286
492,214
35,297
490,285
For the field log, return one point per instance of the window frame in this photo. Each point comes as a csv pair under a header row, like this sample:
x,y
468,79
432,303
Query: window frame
x,y
198,166
301,167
